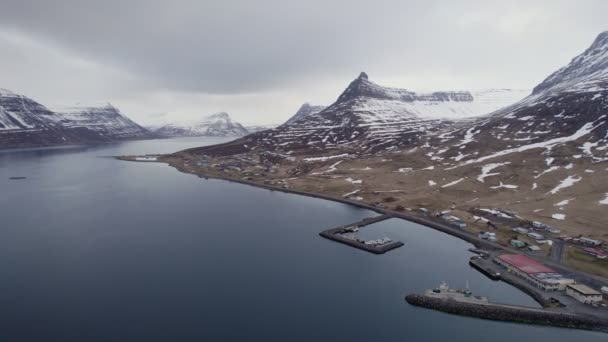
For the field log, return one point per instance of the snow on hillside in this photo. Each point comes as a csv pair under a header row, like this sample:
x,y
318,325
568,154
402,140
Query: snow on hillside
x,y
483,102
105,119
376,117
586,72
25,123
305,110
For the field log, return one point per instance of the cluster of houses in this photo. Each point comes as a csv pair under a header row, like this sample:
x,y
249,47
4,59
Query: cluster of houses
x,y
451,219
539,238
550,229
490,236
589,246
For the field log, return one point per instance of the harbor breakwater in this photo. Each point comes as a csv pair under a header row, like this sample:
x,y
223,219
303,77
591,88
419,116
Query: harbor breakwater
x,y
509,313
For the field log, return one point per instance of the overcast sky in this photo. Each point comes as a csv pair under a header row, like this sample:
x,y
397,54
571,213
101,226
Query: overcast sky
x,y
260,60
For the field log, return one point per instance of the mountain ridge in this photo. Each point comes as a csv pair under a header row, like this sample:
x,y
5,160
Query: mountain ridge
x,y
217,125
27,123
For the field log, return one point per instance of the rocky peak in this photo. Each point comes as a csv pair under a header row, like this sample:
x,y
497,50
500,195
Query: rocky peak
x,y
587,71
223,116
363,87
305,110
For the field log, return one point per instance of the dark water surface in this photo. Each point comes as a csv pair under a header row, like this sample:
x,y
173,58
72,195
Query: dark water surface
x,y
95,249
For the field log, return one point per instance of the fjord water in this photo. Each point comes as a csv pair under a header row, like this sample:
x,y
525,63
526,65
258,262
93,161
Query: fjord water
x,y
96,249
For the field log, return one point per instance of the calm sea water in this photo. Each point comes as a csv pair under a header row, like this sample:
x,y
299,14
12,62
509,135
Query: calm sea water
x,y
95,249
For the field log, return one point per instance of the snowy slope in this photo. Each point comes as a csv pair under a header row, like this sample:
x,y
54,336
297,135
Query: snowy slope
x,y
376,117
565,114
25,122
305,110
104,120
217,125
18,112
586,72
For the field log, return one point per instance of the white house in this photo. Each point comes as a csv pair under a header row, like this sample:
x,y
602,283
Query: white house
x,y
520,230
589,241
583,293
536,236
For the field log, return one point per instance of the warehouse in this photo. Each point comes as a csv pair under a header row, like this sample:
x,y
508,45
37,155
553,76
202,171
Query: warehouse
x,y
533,272
583,293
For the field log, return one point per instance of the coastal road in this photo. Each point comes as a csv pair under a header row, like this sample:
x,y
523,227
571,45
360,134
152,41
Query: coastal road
x,y
557,249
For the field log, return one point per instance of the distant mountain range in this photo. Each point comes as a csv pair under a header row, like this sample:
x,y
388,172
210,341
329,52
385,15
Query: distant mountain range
x,y
26,123
215,125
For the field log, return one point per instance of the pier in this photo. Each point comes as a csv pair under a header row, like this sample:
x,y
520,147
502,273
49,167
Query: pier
x,y
476,263
509,313
338,234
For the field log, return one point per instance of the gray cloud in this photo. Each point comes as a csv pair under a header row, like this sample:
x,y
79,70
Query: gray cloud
x,y
222,54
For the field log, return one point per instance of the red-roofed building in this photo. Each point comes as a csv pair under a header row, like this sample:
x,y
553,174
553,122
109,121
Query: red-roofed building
x,y
596,253
533,271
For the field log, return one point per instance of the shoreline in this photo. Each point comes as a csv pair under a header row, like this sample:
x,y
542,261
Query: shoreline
x,y
415,218
582,321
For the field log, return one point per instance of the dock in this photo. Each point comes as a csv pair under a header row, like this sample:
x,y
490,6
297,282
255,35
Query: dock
x,y
476,263
337,234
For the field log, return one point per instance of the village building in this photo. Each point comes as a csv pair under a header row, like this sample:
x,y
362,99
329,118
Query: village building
x,y
553,230
596,253
533,272
536,236
520,230
589,241
583,293
518,243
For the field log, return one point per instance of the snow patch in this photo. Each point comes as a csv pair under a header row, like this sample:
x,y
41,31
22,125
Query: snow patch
x,y
485,170
563,203
453,183
506,186
325,158
351,193
568,182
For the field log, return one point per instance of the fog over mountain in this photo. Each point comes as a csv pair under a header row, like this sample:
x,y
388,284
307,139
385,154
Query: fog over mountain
x,y
184,58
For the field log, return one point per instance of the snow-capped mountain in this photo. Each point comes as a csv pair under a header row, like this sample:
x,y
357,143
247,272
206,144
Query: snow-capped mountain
x,y
105,120
586,72
259,128
304,111
216,125
18,112
26,123
565,115
373,117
